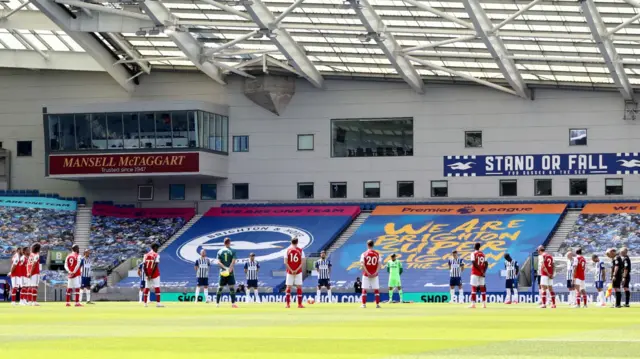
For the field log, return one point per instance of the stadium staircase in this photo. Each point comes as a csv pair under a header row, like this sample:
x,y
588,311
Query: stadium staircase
x,y
120,272
83,227
344,237
563,230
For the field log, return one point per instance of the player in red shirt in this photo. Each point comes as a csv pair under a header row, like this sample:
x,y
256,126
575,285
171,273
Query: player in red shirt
x,y
479,267
14,273
371,264
546,278
579,271
25,296
152,272
72,266
293,262
33,273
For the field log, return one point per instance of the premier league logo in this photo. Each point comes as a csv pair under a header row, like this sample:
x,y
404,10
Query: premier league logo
x,y
246,240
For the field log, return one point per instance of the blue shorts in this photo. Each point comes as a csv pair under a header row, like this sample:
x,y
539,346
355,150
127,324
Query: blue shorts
x,y
569,283
324,283
203,282
511,284
85,282
599,284
143,284
455,281
252,283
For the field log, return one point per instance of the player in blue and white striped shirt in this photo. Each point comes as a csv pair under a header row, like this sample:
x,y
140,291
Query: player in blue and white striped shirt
x,y
323,266
456,267
86,272
512,270
571,300
143,281
598,276
202,266
251,269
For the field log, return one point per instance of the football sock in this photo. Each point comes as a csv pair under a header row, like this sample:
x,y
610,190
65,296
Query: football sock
x,y
364,296
577,300
318,294
197,294
473,294
377,294
140,295
329,297
452,293
618,298
461,296
146,295
483,289
601,297
14,291
158,294
68,295
35,294
507,298
288,296
299,292
23,294
553,296
627,296
232,292
88,295
400,294
584,299
77,295
544,297
514,297
206,295
256,293
218,295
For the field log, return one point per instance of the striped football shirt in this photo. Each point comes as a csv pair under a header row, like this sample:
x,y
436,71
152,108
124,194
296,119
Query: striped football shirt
x,y
252,270
85,267
512,269
203,265
456,265
143,277
598,272
570,269
323,266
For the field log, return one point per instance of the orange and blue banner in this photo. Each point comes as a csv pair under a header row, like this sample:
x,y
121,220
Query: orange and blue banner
x,y
124,212
611,208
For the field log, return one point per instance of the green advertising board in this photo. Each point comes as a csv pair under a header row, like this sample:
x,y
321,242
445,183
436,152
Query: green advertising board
x,y
57,257
427,297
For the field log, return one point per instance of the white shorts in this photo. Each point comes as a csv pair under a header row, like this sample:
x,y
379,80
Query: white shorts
x,y
73,283
579,283
34,280
373,283
294,279
152,283
544,280
16,282
477,280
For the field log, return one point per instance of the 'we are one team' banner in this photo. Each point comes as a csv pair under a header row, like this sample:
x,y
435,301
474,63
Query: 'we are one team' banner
x,y
38,202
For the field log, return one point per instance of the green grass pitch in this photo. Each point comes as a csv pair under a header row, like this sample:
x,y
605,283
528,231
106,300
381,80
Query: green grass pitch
x,y
327,331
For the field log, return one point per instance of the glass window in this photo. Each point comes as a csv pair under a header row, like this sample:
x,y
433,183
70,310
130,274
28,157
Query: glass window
x,y
192,135
578,137
147,130
543,187
578,187
218,138
508,188
305,190
145,193
472,139
371,190
209,192
439,188
405,189
177,192
180,128
305,142
338,190
83,131
99,131
62,133
225,134
372,137
115,131
240,191
131,134
163,130
240,143
613,186
205,129
24,148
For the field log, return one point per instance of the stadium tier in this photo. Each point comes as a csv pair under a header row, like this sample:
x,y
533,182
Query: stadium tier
x,y
265,231
26,220
118,233
424,237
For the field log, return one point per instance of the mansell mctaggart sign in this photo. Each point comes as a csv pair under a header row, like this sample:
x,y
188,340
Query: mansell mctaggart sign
x,y
543,165
117,164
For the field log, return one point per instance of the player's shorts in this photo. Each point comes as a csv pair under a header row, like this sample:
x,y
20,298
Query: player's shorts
x,y
16,282
455,281
226,281
143,284
294,279
395,282
324,283
616,282
34,280
626,281
579,283
73,283
153,283
370,283
544,280
85,282
511,284
203,282
252,283
599,284
569,284
477,280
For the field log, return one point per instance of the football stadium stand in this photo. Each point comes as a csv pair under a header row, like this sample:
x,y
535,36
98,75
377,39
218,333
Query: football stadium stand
x,y
265,231
26,220
121,233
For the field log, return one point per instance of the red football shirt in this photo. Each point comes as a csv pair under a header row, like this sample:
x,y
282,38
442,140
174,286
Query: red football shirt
x,y
479,260
294,259
22,266
72,265
371,262
33,265
15,263
151,265
581,266
547,264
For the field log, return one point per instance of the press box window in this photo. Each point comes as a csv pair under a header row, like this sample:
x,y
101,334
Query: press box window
x,y
240,143
439,189
305,190
473,139
508,188
405,189
578,137
24,148
338,190
240,191
208,192
543,187
371,190
177,192
578,187
305,142
145,193
613,186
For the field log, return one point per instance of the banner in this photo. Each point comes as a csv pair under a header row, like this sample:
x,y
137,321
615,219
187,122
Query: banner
x,y
38,202
120,212
264,297
352,211
542,165
491,209
117,164
611,208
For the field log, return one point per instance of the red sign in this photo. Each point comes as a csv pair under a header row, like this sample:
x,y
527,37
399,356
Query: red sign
x,y
112,164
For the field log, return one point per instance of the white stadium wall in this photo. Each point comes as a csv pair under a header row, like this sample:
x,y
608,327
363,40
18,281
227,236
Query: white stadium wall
x,y
273,166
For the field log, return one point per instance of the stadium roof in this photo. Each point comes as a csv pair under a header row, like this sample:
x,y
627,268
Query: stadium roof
x,y
510,45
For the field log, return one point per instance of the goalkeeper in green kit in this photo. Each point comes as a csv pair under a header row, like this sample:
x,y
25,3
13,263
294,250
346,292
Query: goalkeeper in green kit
x,y
394,267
